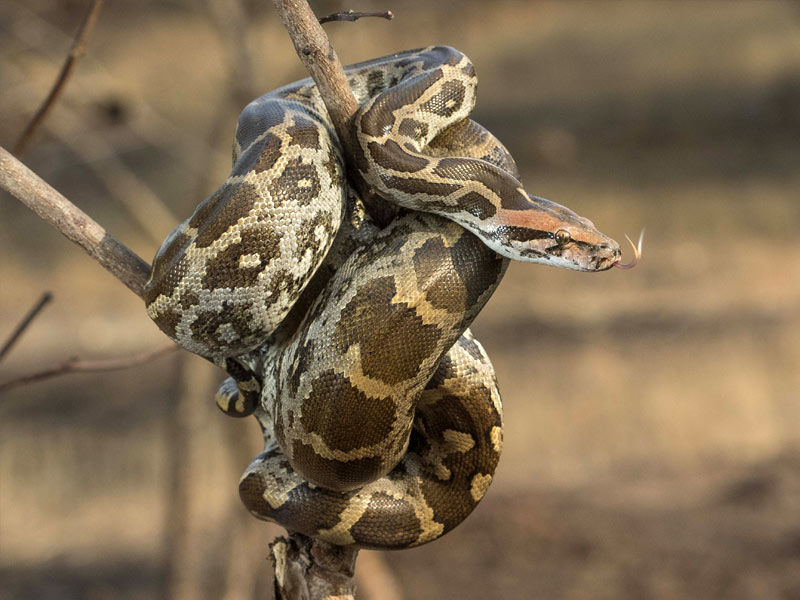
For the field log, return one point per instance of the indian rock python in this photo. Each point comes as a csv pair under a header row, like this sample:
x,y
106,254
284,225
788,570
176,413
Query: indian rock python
x,y
348,340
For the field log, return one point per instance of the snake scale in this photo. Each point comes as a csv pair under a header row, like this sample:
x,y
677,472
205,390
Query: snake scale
x,y
348,337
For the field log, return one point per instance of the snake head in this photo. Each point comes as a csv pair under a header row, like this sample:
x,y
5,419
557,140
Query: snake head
x,y
551,234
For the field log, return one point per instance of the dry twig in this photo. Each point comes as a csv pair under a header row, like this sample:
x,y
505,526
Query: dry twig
x,y
351,15
54,208
75,53
23,325
77,365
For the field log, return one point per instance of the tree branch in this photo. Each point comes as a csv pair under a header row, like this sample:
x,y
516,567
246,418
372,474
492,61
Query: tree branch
x,y
75,53
350,15
23,325
75,224
76,365
319,58
312,569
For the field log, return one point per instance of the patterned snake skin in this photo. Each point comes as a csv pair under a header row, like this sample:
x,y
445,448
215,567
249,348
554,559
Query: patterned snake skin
x,y
347,339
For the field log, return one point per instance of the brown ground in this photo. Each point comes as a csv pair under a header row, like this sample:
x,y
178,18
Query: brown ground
x,y
652,445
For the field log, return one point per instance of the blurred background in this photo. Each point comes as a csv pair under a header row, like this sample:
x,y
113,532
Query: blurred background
x,y
652,445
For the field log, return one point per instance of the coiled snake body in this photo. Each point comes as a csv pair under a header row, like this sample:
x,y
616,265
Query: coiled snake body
x,y
349,341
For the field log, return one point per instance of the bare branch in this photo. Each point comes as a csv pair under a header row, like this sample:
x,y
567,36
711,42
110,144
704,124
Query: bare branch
x,y
350,15
319,58
75,53
75,224
23,325
312,569
76,365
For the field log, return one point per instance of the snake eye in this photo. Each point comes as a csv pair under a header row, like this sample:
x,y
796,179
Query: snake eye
x,y
563,237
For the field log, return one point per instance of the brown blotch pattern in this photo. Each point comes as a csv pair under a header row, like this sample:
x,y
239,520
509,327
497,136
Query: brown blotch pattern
x,y
260,157
205,329
416,130
478,205
230,203
304,133
251,492
380,114
478,267
334,168
370,318
446,102
412,185
224,271
457,279
343,416
312,509
169,266
492,176
334,474
472,414
189,299
437,277
390,155
307,237
375,83
168,322
387,522
298,182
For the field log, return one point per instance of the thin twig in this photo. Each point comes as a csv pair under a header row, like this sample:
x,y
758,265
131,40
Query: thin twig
x,y
54,208
77,365
75,53
351,15
23,325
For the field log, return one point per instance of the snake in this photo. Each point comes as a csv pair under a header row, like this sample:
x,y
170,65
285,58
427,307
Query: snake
x,y
345,330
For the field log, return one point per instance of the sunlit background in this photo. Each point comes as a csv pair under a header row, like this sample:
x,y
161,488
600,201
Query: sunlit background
x,y
652,445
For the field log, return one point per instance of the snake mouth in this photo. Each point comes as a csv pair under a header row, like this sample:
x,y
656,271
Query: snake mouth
x,y
637,253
